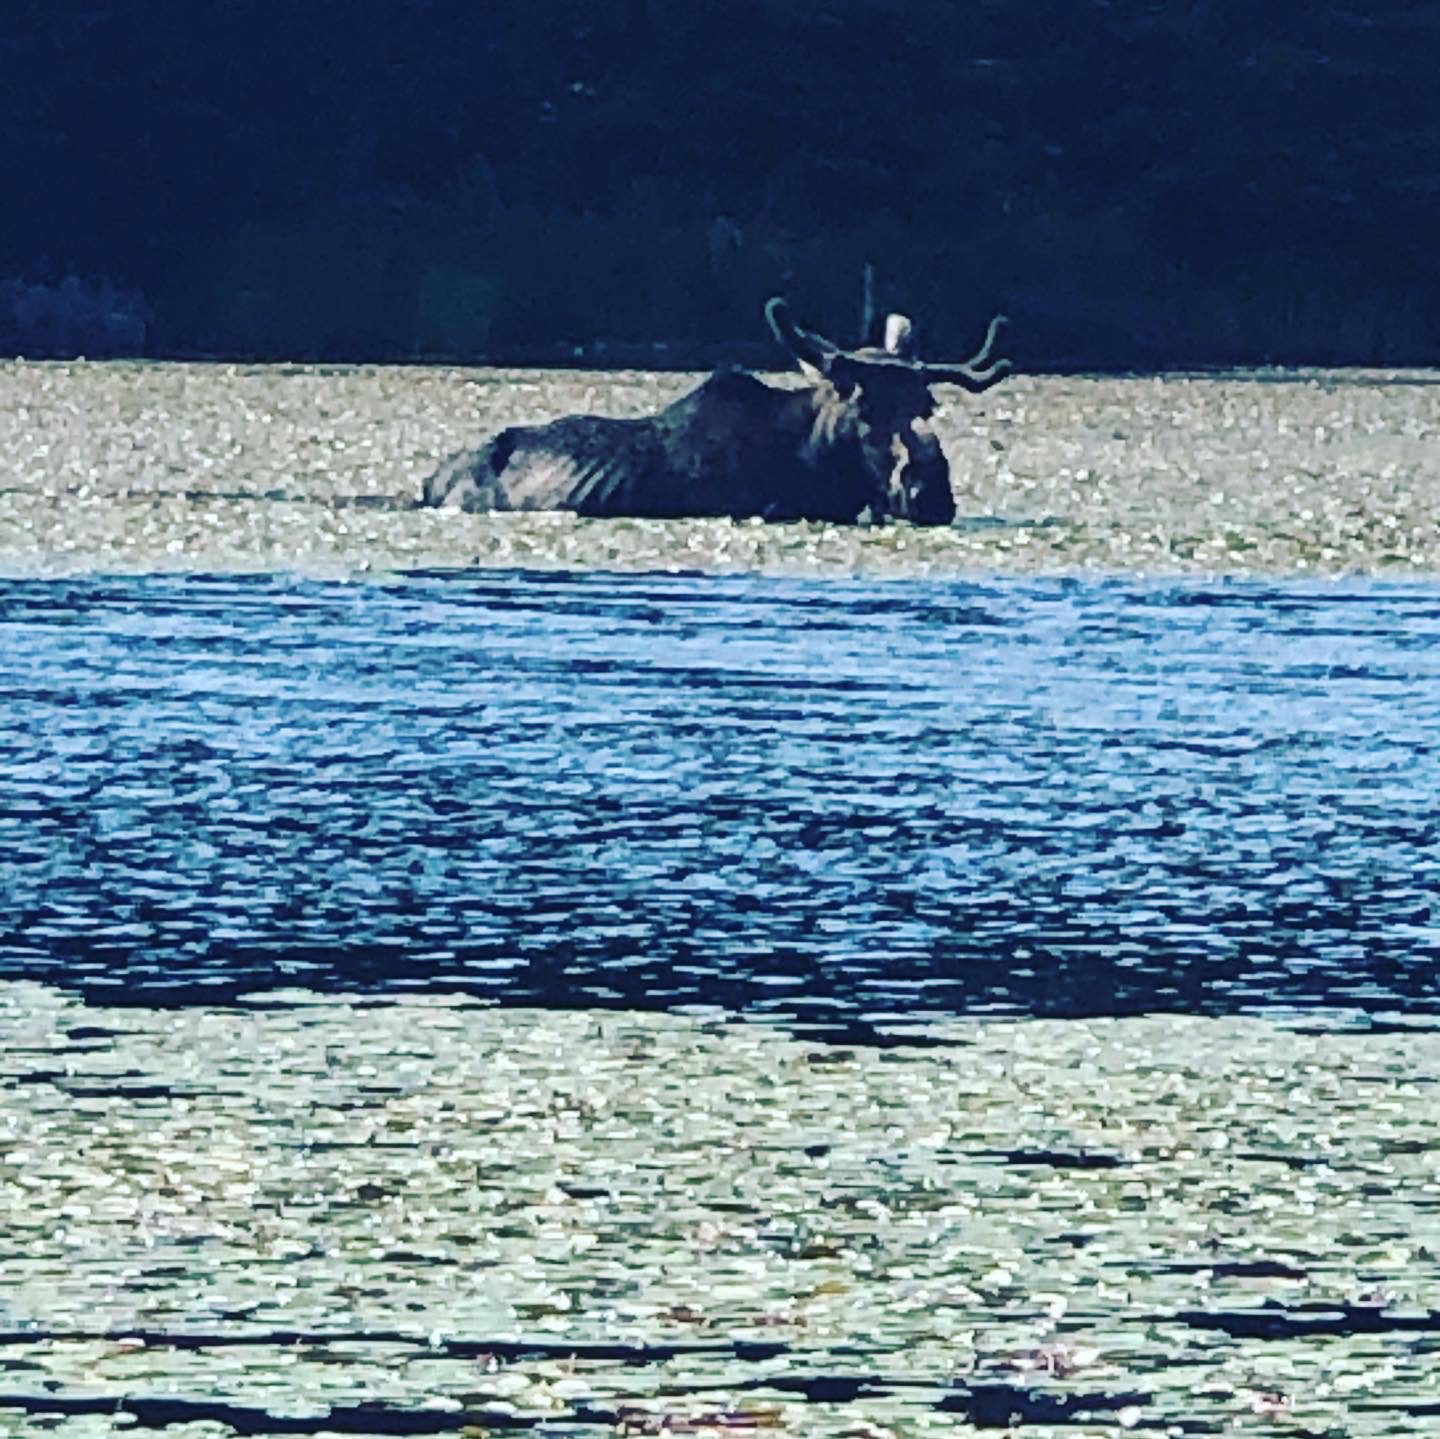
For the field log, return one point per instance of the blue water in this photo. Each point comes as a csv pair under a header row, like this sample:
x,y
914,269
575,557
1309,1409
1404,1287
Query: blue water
x,y
842,804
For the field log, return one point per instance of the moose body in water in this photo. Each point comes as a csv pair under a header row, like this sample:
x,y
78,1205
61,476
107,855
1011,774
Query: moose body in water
x,y
854,443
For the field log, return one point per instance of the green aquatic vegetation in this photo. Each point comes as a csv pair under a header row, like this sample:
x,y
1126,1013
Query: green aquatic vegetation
x,y
127,467
676,1223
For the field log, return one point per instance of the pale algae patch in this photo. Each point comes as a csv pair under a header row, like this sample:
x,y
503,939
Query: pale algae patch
x,y
126,467
315,1203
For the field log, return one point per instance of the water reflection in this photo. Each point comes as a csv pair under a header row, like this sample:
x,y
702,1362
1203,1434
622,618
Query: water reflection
x,y
845,804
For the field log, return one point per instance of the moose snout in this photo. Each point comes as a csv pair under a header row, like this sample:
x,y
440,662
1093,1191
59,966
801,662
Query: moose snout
x,y
920,482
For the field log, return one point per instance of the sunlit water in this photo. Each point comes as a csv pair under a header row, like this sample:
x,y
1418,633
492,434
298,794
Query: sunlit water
x,y
483,819
848,805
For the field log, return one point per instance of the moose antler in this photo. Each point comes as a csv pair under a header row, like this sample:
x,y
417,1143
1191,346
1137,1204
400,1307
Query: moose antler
x,y
830,360
806,346
967,373
983,353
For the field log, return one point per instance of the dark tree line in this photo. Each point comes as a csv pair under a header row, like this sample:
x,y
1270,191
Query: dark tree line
x,y
1140,182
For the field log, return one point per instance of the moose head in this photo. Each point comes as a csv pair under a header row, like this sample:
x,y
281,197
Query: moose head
x,y
878,402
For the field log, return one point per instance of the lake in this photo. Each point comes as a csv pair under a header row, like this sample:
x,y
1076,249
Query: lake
x,y
464,974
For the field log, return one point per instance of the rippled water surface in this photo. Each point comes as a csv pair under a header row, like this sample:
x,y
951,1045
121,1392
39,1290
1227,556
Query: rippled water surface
x,y
849,805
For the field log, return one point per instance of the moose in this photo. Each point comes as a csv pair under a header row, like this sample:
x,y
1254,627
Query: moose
x,y
855,443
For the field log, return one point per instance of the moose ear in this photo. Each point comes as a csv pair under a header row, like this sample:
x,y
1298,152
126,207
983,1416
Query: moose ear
x,y
844,375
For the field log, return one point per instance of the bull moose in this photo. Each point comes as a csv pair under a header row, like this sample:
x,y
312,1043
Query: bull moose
x,y
854,443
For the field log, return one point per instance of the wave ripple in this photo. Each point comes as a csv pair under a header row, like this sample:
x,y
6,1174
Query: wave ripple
x,y
843,804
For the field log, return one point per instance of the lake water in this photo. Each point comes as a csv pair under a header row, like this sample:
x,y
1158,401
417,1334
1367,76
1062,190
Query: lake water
x,y
853,806
840,993
600,1003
